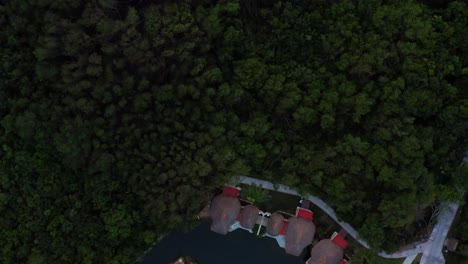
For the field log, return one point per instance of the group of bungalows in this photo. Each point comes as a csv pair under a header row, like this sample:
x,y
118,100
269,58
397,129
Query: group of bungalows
x,y
297,231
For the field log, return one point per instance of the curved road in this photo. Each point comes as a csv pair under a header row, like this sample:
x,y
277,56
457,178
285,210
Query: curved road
x,y
431,249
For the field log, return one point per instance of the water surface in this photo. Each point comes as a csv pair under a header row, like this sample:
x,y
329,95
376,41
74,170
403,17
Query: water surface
x,y
207,247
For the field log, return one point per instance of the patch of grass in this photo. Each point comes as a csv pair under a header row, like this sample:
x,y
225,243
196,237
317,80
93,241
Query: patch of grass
x,y
381,260
255,194
262,230
283,202
364,256
417,259
452,258
270,201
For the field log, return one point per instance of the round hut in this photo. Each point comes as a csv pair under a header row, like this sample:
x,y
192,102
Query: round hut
x,y
249,216
275,224
224,211
299,234
325,252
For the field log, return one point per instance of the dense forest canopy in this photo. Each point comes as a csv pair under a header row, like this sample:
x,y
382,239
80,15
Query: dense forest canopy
x,y
118,117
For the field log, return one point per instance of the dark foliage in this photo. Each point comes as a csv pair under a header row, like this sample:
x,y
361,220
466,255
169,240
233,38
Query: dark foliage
x,y
117,116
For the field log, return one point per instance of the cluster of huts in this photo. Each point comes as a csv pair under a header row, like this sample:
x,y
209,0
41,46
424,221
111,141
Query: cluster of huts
x,y
293,233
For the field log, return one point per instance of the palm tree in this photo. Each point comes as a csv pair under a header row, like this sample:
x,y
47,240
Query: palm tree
x,y
255,194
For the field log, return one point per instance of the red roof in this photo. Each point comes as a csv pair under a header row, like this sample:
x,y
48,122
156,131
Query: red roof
x,y
304,213
342,261
340,241
231,191
285,224
239,217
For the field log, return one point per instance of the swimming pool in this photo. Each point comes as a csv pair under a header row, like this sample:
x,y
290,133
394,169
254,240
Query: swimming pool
x,y
207,247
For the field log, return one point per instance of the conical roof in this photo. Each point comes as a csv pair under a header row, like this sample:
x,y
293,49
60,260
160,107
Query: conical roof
x,y
275,223
326,252
224,211
299,234
249,216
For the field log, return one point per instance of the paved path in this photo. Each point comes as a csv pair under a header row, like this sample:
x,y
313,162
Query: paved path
x,y
317,201
433,251
409,260
432,248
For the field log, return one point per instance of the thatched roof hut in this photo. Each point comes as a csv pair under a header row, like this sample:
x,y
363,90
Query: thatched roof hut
x,y
299,234
275,223
249,216
224,211
325,252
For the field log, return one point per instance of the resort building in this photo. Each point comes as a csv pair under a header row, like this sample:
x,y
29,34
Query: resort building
x,y
328,251
224,210
249,216
293,234
275,224
299,234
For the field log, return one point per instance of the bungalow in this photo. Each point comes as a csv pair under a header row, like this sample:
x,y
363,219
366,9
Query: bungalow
x,y
294,233
248,216
275,224
328,251
224,210
299,234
